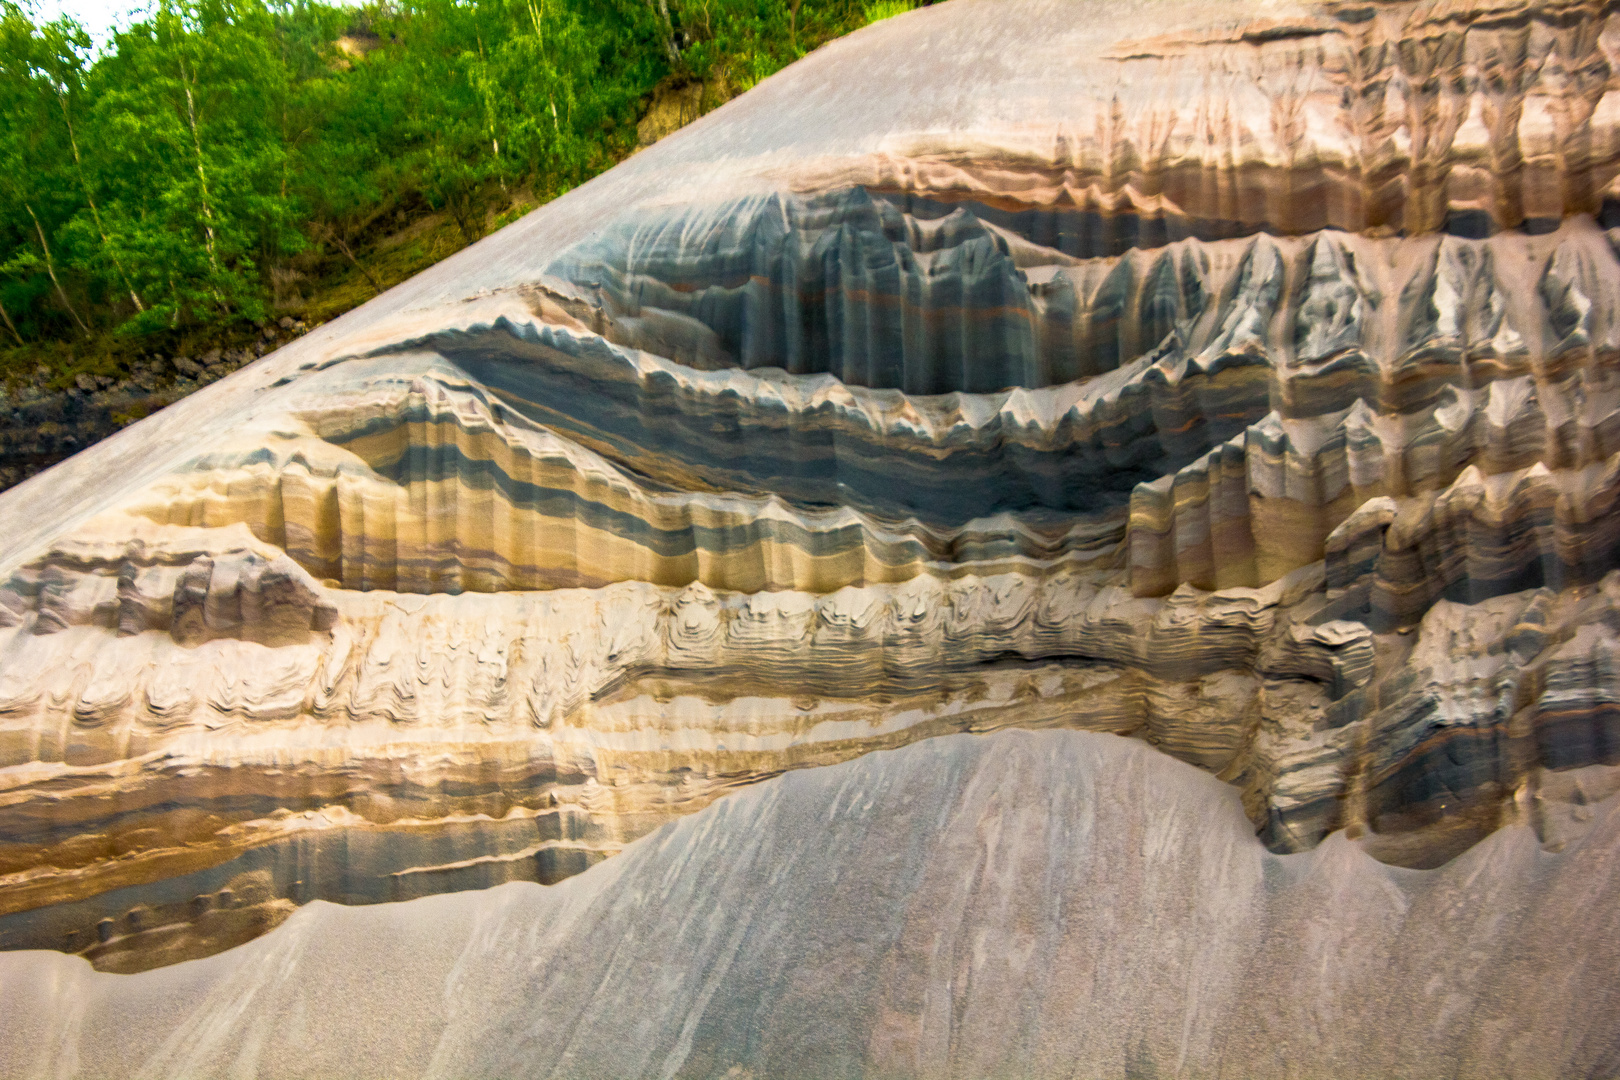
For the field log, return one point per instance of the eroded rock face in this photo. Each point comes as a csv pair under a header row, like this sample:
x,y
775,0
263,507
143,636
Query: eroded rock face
x,y
1245,381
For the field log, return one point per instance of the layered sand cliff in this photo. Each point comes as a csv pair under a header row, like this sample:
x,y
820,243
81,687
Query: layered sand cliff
x,y
1244,379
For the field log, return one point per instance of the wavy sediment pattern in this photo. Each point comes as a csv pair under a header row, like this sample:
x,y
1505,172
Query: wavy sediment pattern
x,y
1291,447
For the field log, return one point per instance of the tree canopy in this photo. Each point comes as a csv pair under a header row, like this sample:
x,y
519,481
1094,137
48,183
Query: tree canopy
x,y
213,156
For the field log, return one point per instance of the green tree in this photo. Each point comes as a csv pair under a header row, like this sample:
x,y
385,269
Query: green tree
x,y
163,185
189,117
39,74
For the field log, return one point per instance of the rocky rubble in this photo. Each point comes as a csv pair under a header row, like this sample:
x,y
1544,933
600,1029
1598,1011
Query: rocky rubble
x,y
40,426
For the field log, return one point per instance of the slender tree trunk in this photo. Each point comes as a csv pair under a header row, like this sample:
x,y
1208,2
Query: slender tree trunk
x,y
537,17
202,176
662,11
95,212
461,210
286,153
9,324
500,169
489,108
338,240
50,268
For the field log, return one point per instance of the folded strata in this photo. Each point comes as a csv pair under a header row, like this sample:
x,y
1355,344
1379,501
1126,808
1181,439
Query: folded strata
x,y
1291,447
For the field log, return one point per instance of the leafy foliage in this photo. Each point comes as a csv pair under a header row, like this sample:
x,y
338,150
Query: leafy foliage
x,y
883,9
224,161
